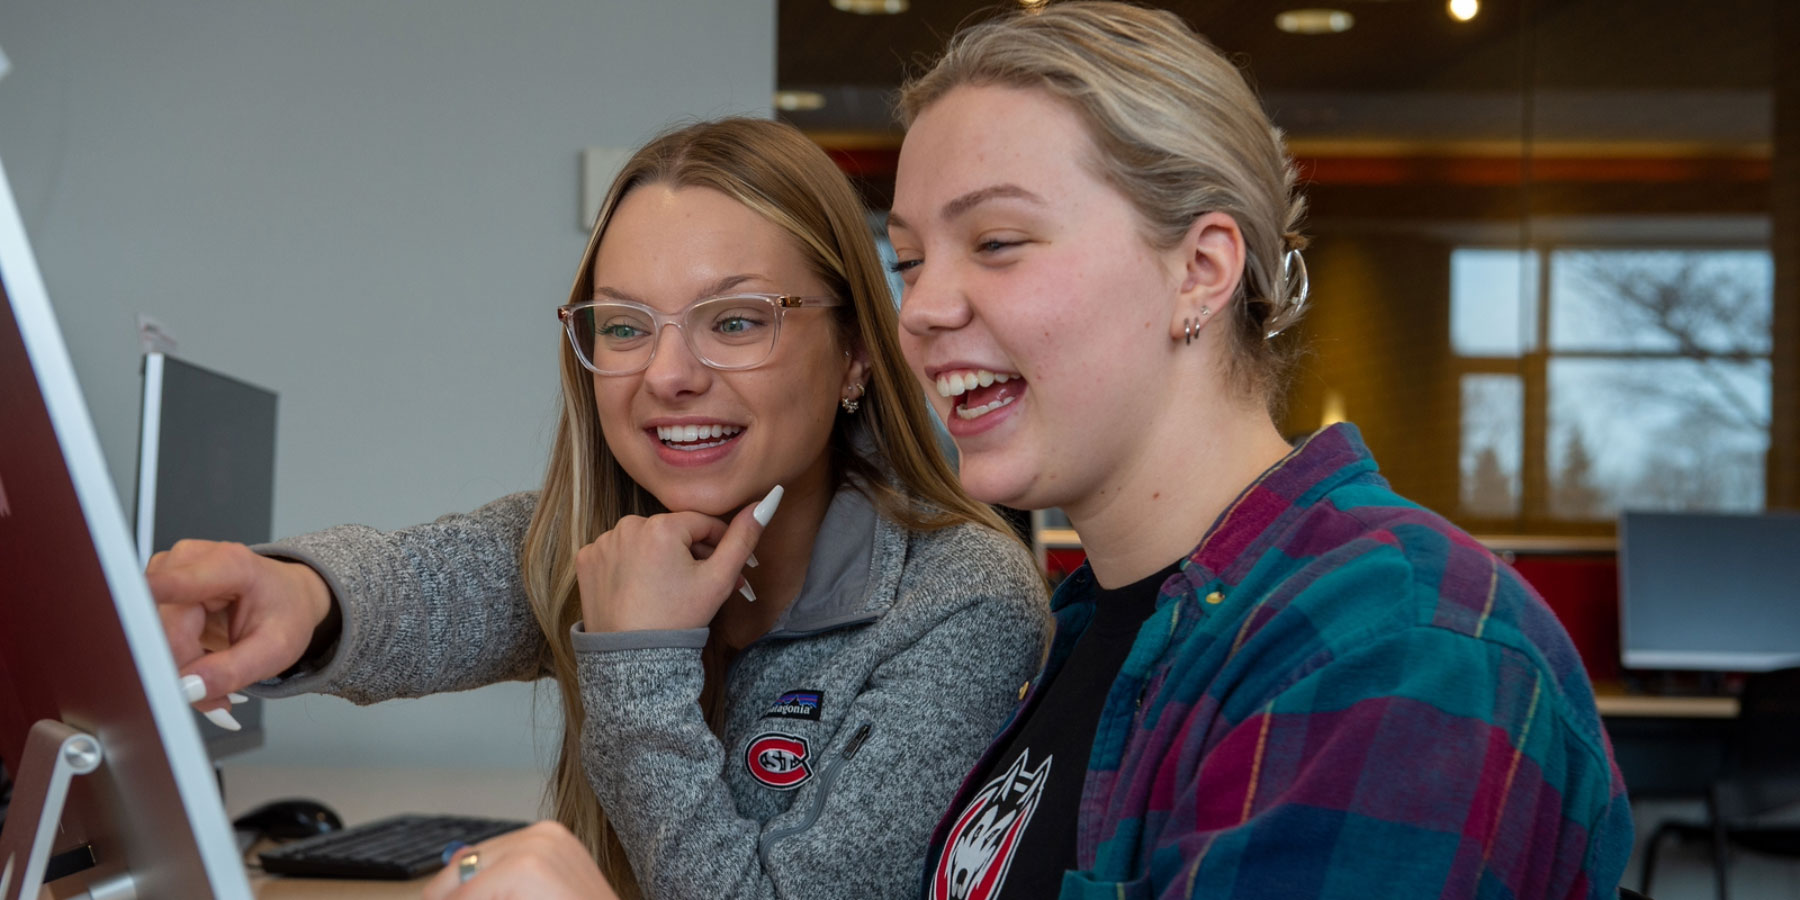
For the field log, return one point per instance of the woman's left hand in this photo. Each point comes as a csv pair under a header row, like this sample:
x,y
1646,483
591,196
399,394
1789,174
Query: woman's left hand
x,y
542,862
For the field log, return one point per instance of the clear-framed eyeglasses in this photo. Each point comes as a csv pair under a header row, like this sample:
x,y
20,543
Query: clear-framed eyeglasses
x,y
737,331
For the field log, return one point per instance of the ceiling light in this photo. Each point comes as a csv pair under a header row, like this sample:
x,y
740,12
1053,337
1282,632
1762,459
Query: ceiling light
x,y
872,7
1314,21
790,101
1033,4
1464,10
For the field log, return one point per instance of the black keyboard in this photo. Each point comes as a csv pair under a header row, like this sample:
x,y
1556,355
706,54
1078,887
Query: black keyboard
x,y
398,848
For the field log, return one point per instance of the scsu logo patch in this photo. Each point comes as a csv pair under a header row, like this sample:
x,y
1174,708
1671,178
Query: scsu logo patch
x,y
780,761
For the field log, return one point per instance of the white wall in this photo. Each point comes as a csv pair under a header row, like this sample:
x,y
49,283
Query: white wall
x,y
370,208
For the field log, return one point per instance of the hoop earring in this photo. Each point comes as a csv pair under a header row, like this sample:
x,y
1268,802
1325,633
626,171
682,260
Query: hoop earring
x,y
1187,331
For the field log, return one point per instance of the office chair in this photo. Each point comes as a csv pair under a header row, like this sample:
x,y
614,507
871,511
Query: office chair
x,y
1761,774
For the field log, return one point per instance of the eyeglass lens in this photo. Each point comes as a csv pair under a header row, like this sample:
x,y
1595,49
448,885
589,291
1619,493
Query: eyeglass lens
x,y
726,332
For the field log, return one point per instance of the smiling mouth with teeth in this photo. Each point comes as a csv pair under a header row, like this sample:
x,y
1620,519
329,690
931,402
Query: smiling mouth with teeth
x,y
977,392
696,437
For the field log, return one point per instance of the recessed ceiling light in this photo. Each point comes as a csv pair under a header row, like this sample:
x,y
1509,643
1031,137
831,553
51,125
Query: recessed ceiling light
x,y
790,101
872,7
1464,10
1314,21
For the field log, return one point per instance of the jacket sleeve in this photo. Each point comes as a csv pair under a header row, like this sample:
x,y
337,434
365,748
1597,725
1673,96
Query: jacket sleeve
x,y
858,827
431,608
1419,762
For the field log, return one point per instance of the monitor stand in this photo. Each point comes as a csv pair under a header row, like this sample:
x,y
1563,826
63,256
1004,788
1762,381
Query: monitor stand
x,y
54,754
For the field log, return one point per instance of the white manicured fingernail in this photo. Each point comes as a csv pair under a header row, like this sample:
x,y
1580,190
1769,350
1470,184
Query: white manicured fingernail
x,y
749,594
223,719
237,698
193,687
751,562
766,509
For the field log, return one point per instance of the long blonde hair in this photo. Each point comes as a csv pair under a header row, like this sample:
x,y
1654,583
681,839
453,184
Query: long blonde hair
x,y
1179,133
886,450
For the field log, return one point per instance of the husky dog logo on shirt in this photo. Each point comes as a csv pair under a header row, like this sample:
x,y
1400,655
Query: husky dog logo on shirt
x,y
980,846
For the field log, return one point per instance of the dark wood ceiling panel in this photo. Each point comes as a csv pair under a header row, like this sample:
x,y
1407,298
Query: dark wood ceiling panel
x,y
1395,44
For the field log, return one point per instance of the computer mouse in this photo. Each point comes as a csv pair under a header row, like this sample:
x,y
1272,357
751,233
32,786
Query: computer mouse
x,y
288,819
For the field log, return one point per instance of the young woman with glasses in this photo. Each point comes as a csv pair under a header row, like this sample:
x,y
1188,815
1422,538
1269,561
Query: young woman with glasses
x,y
1274,677
783,723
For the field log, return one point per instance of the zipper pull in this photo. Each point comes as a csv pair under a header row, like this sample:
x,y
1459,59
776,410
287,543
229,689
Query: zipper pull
x,y
856,742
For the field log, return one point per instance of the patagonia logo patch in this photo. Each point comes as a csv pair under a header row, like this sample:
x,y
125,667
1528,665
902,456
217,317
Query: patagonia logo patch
x,y
796,705
780,761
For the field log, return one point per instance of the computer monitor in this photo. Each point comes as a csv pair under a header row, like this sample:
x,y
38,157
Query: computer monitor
x,y
90,712
1709,592
206,469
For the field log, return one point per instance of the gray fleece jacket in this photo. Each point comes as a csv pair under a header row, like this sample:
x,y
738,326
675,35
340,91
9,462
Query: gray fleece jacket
x,y
848,726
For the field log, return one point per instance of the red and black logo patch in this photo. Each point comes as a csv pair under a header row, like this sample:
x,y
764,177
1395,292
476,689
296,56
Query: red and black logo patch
x,y
979,850
780,761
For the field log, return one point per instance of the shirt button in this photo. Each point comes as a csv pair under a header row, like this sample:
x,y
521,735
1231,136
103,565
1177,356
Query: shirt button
x,y
1215,598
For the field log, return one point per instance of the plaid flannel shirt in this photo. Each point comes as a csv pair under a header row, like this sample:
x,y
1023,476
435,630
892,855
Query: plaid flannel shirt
x,y
1340,695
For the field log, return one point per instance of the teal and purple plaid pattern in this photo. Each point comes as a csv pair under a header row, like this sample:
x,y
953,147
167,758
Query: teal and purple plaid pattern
x,y
1342,696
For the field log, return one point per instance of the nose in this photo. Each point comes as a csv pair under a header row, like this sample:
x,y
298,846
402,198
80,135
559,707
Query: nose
x,y
935,301
674,370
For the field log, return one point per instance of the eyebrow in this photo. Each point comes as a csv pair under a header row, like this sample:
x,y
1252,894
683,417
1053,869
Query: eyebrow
x,y
712,290
974,198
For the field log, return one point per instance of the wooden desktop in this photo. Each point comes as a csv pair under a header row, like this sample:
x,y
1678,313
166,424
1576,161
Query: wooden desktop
x,y
1614,702
275,887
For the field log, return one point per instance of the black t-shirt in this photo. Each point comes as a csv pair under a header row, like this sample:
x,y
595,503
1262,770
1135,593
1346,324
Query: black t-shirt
x,y
1016,837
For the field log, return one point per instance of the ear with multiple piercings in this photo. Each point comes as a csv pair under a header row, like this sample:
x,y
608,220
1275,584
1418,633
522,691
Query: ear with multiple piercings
x,y
1191,327
1295,286
852,399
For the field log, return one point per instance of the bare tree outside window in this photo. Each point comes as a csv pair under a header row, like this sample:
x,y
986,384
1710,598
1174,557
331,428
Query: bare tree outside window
x,y
1659,379
1654,390
1665,353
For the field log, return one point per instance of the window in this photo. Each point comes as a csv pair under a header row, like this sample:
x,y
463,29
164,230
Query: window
x,y
1597,379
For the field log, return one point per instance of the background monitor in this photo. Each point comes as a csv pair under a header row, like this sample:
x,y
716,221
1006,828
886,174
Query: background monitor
x,y
1709,592
80,641
206,469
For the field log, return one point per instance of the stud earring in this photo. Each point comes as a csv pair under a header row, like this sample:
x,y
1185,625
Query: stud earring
x,y
1205,311
853,402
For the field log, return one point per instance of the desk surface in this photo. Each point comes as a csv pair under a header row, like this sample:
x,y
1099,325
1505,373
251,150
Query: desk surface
x,y
272,887
363,795
1613,701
